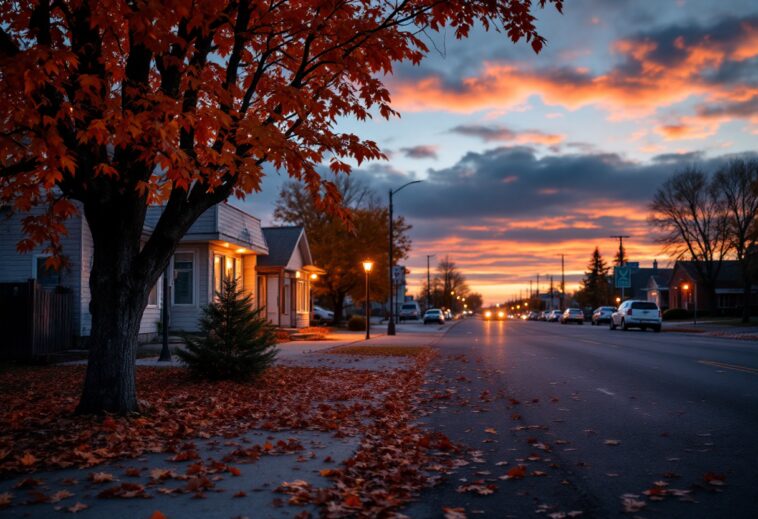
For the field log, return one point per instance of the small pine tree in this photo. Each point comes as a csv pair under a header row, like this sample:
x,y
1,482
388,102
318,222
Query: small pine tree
x,y
235,341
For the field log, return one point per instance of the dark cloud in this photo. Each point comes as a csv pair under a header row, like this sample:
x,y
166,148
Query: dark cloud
x,y
422,151
692,156
490,133
746,108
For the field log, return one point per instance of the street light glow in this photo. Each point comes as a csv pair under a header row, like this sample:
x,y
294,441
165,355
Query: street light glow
x,y
368,265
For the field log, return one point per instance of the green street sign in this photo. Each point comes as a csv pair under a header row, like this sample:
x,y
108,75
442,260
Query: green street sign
x,y
622,276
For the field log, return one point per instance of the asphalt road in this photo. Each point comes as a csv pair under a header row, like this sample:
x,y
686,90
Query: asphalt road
x,y
595,417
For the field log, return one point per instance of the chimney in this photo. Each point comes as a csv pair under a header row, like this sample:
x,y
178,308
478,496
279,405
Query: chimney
x,y
655,264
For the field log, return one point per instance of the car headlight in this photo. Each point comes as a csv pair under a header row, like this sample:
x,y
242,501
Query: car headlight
x,y
501,314
487,314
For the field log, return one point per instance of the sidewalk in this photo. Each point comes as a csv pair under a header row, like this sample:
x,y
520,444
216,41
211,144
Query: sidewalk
x,y
224,482
714,328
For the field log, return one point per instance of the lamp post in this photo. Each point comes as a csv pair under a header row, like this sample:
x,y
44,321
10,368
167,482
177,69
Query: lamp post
x,y
313,278
686,288
367,266
391,321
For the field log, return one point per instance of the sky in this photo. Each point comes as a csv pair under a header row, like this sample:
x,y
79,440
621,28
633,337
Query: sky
x,y
525,157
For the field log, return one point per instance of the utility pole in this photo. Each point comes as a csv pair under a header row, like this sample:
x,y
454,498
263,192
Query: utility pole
x,y
531,294
428,282
538,286
551,292
620,238
563,280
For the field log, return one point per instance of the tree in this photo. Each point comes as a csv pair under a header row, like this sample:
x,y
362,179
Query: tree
x,y
339,246
737,182
448,284
236,341
120,104
475,301
596,287
692,216
620,259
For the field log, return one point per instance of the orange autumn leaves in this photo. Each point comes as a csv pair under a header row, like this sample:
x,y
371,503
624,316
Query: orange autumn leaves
x,y
168,95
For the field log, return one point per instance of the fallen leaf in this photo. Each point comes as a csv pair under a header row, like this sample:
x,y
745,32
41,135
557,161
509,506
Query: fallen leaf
x,y
101,477
612,443
352,501
28,459
454,513
518,472
490,430
77,507
60,495
6,498
157,515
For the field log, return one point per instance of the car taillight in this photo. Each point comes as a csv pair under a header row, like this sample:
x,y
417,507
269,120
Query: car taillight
x,y
629,312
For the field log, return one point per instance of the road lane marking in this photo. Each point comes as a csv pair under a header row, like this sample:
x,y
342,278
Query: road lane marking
x,y
605,391
590,342
733,367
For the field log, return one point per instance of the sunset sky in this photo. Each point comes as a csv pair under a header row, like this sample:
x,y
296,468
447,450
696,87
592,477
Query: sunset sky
x,y
527,156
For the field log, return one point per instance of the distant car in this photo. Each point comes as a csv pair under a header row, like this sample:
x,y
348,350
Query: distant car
x,y
553,316
542,316
448,315
572,315
322,315
434,315
602,314
637,314
409,311
494,315
533,316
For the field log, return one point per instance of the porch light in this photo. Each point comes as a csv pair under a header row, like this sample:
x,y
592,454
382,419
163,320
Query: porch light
x,y
685,287
297,274
368,265
241,250
314,276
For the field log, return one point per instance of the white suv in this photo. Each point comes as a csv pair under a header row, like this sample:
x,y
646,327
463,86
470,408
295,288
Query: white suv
x,y
637,314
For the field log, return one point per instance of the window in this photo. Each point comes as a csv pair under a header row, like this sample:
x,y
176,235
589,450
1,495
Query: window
x,y
644,306
302,300
46,277
225,267
184,283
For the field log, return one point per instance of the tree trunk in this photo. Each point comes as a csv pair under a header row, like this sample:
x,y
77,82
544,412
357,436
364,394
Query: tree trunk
x,y
338,302
118,297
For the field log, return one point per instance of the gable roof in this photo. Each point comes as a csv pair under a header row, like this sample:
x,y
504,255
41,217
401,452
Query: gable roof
x,y
282,242
729,276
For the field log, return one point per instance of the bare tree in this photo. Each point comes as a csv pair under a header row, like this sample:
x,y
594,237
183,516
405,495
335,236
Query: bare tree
x,y
692,216
737,182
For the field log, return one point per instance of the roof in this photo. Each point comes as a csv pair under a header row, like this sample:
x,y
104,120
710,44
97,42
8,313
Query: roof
x,y
729,276
282,242
662,277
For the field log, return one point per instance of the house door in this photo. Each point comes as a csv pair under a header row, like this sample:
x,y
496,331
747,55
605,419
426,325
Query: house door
x,y
272,299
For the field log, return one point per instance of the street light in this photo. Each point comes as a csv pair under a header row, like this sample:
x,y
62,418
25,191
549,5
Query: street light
x,y
618,300
313,278
367,266
686,288
391,322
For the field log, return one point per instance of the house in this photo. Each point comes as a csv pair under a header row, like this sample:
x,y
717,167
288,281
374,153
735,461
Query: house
x,y
658,284
225,241
285,277
686,288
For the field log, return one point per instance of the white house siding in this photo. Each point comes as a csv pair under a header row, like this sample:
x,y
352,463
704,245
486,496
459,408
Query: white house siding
x,y
272,299
16,267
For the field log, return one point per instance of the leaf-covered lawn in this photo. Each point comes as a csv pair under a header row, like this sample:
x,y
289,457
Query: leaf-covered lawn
x,y
38,429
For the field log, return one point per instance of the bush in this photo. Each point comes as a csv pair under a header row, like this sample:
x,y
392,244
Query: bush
x,y
676,313
235,341
356,323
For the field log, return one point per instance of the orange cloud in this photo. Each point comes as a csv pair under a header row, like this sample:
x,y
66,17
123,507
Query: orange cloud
x,y
644,83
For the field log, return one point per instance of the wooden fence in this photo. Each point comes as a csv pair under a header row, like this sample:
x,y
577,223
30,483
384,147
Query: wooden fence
x,y
34,322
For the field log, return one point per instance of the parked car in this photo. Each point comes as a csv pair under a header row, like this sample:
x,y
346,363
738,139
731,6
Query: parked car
x,y
602,314
572,315
410,310
434,315
553,316
533,316
490,315
637,314
322,315
542,316
448,315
